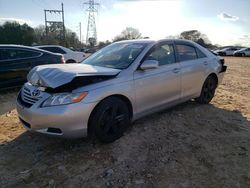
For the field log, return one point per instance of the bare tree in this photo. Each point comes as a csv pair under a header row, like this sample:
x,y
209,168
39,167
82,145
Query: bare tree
x,y
128,34
196,36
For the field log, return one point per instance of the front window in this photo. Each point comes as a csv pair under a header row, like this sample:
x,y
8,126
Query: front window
x,y
164,54
117,55
10,54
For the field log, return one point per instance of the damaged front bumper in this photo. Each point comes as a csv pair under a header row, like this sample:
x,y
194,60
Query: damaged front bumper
x,y
68,121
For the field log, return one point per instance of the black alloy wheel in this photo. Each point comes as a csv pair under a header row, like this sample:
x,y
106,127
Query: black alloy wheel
x,y
110,119
208,90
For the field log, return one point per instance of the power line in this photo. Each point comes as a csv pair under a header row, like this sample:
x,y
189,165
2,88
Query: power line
x,y
52,26
91,36
80,26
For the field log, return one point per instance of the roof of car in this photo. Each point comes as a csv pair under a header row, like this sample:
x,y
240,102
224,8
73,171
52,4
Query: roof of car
x,y
153,41
25,47
16,46
40,46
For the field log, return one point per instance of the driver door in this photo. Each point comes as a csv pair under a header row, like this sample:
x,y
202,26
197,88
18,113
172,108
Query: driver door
x,y
157,87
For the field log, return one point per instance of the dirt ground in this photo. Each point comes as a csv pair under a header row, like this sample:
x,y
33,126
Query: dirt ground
x,y
190,145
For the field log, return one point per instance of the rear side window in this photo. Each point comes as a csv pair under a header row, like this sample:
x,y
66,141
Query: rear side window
x,y
186,52
11,54
54,50
200,54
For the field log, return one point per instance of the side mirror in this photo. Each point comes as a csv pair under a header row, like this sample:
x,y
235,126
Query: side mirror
x,y
149,64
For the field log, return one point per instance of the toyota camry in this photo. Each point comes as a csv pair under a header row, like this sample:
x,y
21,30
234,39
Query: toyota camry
x,y
120,83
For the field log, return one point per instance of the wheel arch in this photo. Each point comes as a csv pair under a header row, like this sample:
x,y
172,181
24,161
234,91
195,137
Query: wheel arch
x,y
212,74
71,61
215,77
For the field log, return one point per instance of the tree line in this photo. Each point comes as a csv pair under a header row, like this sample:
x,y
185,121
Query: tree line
x,y
23,34
193,35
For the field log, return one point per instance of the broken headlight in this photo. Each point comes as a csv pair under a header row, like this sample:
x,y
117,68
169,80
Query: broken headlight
x,y
64,98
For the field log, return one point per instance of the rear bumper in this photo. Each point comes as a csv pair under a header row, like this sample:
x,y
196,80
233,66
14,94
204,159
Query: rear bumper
x,y
223,69
221,73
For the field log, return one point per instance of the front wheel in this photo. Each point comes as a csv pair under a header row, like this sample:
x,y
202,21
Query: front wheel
x,y
208,90
109,120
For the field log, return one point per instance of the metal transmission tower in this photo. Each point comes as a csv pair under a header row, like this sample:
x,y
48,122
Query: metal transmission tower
x,y
91,37
55,26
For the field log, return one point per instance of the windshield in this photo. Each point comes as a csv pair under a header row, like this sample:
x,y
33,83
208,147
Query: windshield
x,y
117,55
243,49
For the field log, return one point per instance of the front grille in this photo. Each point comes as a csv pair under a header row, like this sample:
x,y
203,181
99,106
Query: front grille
x,y
23,103
26,99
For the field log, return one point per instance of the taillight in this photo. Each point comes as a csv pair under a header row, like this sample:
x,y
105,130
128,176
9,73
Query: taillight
x,y
222,61
223,67
62,60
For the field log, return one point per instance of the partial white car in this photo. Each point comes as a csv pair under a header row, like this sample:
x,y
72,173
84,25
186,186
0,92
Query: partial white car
x,y
70,56
242,52
226,51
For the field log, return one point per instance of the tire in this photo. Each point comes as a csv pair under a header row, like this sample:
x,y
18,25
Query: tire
x,y
70,61
207,91
243,55
109,120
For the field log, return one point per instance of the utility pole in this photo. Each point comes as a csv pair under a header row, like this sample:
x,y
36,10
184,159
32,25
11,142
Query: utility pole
x,y
91,36
63,23
80,25
52,26
46,27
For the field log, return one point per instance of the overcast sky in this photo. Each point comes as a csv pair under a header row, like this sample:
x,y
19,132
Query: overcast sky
x,y
225,22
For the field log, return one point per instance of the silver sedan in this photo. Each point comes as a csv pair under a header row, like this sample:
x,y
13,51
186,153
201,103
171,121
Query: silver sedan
x,y
120,83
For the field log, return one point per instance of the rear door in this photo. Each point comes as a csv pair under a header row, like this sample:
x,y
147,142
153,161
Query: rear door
x,y
157,87
193,67
15,64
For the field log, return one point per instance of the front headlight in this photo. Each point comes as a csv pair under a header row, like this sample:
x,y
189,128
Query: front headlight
x,y
64,98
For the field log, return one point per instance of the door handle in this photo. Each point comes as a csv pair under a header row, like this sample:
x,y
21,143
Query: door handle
x,y
205,63
176,70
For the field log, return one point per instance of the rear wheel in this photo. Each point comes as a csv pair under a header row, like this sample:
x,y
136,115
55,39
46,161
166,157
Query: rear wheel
x,y
109,120
243,55
208,90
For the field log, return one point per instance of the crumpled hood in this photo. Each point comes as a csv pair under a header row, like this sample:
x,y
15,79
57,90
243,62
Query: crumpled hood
x,y
56,75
